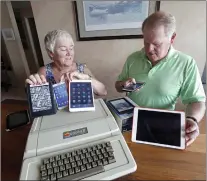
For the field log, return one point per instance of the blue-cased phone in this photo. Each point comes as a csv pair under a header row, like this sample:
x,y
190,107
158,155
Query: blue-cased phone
x,y
61,95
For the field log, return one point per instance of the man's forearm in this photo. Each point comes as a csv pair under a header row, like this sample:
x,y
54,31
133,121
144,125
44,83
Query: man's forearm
x,y
196,110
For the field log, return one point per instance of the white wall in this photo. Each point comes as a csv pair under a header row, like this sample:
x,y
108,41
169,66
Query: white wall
x,y
106,58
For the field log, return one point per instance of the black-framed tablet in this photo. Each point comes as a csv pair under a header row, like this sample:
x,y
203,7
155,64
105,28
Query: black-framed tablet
x,y
41,100
121,105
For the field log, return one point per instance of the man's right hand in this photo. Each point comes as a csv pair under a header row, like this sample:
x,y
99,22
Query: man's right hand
x,y
36,79
120,84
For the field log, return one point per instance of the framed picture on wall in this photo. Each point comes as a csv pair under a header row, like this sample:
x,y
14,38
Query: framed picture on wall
x,y
104,20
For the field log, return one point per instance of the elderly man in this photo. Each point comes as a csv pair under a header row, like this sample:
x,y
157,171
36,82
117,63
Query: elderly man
x,y
168,73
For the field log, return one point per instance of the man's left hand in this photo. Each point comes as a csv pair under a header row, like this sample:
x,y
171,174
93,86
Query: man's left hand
x,y
192,131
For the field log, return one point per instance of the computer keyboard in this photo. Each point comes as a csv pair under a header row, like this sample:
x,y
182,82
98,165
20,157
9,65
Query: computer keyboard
x,y
78,164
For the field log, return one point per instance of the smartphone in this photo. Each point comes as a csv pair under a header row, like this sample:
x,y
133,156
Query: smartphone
x,y
133,87
16,120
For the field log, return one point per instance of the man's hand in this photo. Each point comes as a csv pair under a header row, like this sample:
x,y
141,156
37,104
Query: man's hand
x,y
120,84
129,82
192,131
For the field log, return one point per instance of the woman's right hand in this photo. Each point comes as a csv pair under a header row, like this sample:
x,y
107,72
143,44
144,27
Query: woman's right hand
x,y
36,79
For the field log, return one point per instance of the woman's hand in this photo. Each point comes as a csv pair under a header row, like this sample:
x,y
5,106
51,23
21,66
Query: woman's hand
x,y
77,75
36,79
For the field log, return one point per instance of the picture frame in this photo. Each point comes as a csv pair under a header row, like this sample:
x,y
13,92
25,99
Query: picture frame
x,y
106,20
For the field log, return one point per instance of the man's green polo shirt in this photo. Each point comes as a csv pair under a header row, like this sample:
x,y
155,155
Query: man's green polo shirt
x,y
174,76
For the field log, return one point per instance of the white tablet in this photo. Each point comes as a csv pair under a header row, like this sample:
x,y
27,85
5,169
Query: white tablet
x,y
159,127
81,96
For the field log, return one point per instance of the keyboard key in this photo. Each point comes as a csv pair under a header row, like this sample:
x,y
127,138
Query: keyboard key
x,y
77,169
60,162
83,168
66,160
73,164
71,171
104,145
77,158
79,163
53,177
84,150
84,174
65,173
95,158
90,160
73,153
110,153
111,159
57,157
56,169
99,146
105,162
99,163
82,156
52,159
54,164
98,152
109,149
84,161
68,155
72,159
50,171
59,175
46,161
94,148
93,153
103,150
49,165
88,166
94,164
108,144
67,166
44,173
87,155
63,156
100,157
78,152
45,178
62,167
105,155
43,167
89,149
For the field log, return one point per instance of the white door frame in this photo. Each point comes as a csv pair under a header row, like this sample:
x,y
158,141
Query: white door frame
x,y
18,39
31,41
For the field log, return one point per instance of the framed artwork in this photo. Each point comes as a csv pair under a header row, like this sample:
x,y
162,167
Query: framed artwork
x,y
104,20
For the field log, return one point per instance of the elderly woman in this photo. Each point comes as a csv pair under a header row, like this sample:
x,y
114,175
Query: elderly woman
x,y
60,48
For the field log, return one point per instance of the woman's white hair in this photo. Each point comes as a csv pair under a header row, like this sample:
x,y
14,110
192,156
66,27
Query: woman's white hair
x,y
52,36
161,18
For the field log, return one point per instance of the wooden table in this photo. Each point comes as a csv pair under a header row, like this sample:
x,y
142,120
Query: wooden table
x,y
153,163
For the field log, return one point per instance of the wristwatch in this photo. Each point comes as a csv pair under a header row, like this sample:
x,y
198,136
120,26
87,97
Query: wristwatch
x,y
194,119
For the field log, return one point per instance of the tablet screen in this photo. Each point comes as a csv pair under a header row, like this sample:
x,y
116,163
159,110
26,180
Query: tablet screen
x,y
121,105
159,127
40,98
81,95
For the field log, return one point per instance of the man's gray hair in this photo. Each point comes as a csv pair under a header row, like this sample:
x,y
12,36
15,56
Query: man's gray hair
x,y
52,36
161,18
